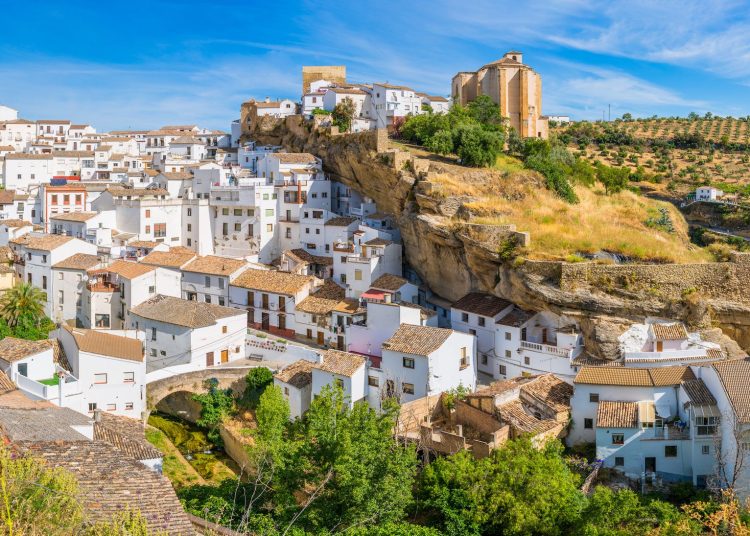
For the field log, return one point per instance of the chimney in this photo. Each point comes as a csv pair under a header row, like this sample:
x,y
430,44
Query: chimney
x,y
267,99
97,415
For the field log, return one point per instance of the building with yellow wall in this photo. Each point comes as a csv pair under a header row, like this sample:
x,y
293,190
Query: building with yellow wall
x,y
516,87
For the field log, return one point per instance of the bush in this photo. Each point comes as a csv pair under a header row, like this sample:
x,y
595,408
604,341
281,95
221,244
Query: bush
x,y
256,382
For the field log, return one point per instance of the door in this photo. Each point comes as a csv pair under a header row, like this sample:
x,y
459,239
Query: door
x,y
544,335
224,356
264,321
340,342
282,321
282,303
23,369
264,299
320,338
523,334
210,359
309,334
659,346
650,465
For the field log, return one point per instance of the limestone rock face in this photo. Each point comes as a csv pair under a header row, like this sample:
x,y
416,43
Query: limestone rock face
x,y
453,257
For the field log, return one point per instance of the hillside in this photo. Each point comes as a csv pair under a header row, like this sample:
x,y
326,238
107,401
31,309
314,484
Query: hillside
x,y
669,157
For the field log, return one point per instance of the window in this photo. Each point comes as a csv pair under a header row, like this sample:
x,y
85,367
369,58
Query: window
x,y
484,360
408,362
221,300
148,228
128,377
238,227
507,335
92,407
223,329
373,381
153,352
225,212
44,282
502,370
472,331
618,439
111,407
526,360
408,388
286,391
706,425
237,212
44,259
481,321
269,227
148,212
208,281
153,334
269,212
160,230
190,212
221,282
588,423
189,227
619,461
463,358
593,397
100,378
706,449
670,451
251,212
464,317
207,298
128,406
358,275
101,320
508,353
60,297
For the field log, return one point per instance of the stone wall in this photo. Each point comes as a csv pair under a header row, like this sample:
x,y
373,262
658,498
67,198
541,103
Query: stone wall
x,y
479,420
235,447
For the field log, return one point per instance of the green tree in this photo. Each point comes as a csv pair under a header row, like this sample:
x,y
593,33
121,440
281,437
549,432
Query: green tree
x,y
515,142
613,179
272,414
256,382
441,142
343,113
216,405
627,116
517,490
485,112
22,301
476,146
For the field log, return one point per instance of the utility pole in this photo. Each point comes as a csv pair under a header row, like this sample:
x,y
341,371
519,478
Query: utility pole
x,y
609,114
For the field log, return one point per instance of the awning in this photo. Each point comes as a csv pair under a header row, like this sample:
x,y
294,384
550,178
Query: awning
x,y
663,405
706,411
646,411
373,295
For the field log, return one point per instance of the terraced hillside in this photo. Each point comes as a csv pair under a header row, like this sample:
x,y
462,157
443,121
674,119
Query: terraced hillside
x,y
669,156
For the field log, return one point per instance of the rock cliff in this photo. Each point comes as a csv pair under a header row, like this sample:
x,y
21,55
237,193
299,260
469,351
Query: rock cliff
x,y
453,256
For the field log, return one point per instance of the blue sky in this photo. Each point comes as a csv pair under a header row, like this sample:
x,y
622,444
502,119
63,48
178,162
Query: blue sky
x,y
143,64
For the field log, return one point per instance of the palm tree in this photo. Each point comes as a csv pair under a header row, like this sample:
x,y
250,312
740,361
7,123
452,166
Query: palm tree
x,y
23,300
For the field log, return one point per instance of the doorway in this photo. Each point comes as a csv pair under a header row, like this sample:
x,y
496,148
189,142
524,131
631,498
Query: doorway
x,y
650,465
340,342
225,356
320,338
265,321
282,321
210,359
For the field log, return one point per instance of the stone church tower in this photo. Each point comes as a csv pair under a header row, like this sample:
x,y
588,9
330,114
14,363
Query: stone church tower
x,y
516,87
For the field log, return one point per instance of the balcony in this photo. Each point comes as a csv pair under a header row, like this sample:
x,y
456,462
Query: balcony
x,y
548,349
19,260
102,286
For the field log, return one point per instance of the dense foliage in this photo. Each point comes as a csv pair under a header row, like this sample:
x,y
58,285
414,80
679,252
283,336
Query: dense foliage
x,y
256,382
343,114
22,313
216,405
475,133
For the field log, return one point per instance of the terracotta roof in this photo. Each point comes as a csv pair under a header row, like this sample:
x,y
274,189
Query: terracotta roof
x,y
436,98
341,363
515,413
143,244
617,414
75,154
74,216
213,265
587,360
419,340
177,175
389,282
272,281
698,393
349,306
187,139
186,313
550,390
102,343
341,221
481,304
7,197
169,259
325,300
28,156
45,242
634,377
5,384
53,122
136,192
303,255
733,375
129,269
12,349
298,374
294,158
347,90
378,242
126,434
515,318
15,224
79,261
111,483
674,331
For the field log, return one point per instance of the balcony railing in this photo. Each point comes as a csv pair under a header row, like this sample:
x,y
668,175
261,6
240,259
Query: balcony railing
x,y
546,349
103,286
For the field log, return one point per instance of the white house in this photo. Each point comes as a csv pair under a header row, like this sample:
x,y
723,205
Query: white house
x,y
69,277
345,369
707,193
326,316
389,102
110,368
189,332
295,381
663,343
439,105
208,278
12,229
269,298
419,361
